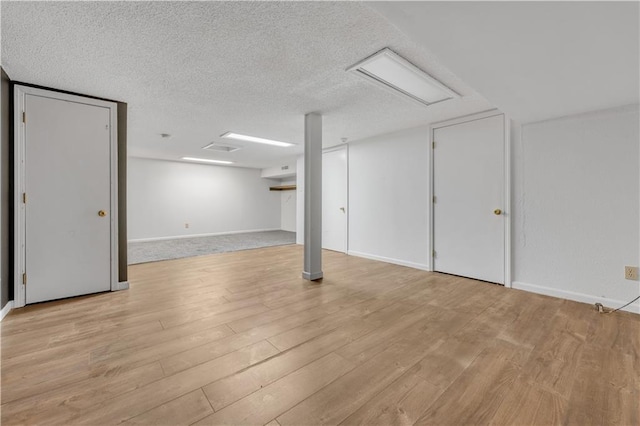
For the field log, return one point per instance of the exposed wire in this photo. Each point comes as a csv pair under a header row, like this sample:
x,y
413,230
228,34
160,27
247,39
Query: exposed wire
x,y
604,310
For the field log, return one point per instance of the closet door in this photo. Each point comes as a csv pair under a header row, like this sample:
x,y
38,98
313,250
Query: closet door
x,y
469,208
68,208
334,200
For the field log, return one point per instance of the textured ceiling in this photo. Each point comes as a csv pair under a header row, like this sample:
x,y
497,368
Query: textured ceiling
x,y
196,70
533,60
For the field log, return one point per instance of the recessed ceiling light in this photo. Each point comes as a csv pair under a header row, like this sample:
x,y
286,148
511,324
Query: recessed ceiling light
x,y
392,71
207,160
237,136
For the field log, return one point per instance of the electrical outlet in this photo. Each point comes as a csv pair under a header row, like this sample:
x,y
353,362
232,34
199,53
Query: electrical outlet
x,y
631,273
186,225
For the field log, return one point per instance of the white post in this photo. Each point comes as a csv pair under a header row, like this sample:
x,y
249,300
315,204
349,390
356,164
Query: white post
x,y
312,197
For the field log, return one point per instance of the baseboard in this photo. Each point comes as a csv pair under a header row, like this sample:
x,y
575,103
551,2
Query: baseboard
x,y
213,234
390,260
122,285
7,308
578,297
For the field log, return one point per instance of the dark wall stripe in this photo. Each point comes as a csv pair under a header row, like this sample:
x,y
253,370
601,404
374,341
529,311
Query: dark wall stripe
x,y
122,192
6,189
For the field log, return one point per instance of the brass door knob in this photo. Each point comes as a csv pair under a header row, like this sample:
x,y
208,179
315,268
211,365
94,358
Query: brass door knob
x,y
102,213
497,212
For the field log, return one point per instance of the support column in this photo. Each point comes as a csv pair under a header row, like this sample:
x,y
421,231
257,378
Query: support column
x,y
312,197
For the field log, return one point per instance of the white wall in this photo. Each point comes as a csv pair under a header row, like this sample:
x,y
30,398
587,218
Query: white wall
x,y
576,201
288,207
164,195
286,170
388,197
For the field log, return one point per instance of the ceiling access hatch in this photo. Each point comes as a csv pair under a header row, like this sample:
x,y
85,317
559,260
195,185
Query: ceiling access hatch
x,y
221,147
389,70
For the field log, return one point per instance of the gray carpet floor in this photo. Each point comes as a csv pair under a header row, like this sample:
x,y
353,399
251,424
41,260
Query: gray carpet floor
x,y
152,251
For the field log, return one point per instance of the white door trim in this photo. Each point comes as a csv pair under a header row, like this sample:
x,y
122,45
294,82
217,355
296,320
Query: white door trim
x,y
346,148
507,184
20,93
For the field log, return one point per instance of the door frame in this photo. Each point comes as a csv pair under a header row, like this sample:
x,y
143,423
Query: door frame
x,y
346,225
508,208
19,226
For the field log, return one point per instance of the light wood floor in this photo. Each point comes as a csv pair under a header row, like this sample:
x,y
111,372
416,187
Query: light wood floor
x,y
240,338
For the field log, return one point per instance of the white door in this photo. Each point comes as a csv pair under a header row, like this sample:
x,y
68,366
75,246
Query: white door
x,y
334,200
468,212
68,208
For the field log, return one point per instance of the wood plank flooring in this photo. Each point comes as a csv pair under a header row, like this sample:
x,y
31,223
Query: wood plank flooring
x,y
240,339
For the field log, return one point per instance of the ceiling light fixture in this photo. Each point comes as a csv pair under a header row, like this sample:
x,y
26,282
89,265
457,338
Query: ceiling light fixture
x,y
391,71
237,136
207,160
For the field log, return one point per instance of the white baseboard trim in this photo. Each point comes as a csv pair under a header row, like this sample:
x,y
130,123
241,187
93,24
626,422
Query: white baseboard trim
x,y
7,308
578,297
390,260
213,234
122,285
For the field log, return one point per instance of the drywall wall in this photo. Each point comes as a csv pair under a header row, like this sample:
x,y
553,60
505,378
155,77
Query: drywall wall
x,y
575,203
288,207
576,189
6,193
163,196
388,197
286,170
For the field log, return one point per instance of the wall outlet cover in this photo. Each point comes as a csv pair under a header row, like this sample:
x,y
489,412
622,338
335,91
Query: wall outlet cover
x,y
631,273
